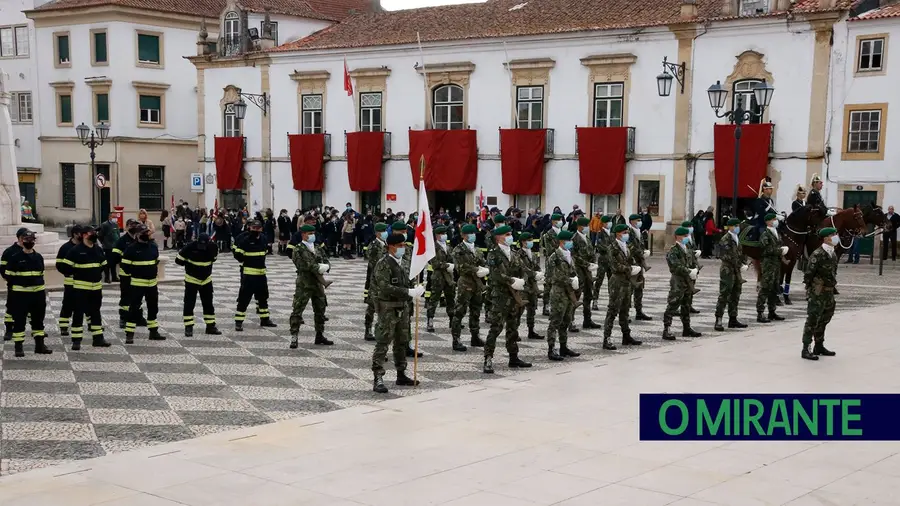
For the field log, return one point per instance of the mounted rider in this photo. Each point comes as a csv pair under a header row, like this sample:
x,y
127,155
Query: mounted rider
x,y
800,201
815,199
764,205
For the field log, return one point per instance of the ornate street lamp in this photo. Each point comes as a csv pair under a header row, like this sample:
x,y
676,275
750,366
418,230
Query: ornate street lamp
x,y
93,139
671,72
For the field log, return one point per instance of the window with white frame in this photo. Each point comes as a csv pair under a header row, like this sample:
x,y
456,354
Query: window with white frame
x,y
20,110
530,107
311,108
262,26
605,204
742,96
871,55
648,196
608,104
370,112
448,107
231,34
865,131
231,125
13,41
528,203
754,7
151,108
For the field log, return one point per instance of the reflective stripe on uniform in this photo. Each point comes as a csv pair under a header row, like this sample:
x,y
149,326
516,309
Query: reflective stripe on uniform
x,y
89,266
25,273
143,282
253,253
198,264
31,289
197,281
87,285
252,271
138,263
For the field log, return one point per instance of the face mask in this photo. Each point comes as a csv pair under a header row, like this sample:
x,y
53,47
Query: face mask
x,y
736,230
112,220
91,237
635,224
835,240
311,238
568,245
349,207
383,236
256,233
771,225
529,244
691,230
470,238
144,238
625,237
28,244
442,238
297,213
686,241
555,224
508,240
399,252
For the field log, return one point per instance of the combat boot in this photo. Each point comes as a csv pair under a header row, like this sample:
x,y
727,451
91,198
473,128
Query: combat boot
x,y
687,331
40,348
820,349
517,363
129,338
534,335
212,330
552,355
121,322
411,353
488,367
733,323
545,311
775,317
100,342
718,327
156,336
573,329
567,353
476,342
808,355
294,342
266,322
458,346
405,381
760,318
608,345
787,300
378,385
429,325
20,349
627,340
694,311
142,322
590,324
189,331
64,331
7,336
595,307
322,341
667,334
368,335
641,317
76,344
238,326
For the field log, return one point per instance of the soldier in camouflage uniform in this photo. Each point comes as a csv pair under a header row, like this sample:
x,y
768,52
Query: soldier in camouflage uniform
x,y
820,279
308,287
392,296
622,277
734,262
694,263
584,259
604,241
680,285
472,269
399,229
639,255
498,221
374,252
533,277
507,275
771,251
440,281
549,243
564,283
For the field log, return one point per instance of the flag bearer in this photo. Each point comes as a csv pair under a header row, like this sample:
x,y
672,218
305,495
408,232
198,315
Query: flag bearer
x,y
374,252
85,264
4,258
198,258
250,251
25,277
140,263
131,227
309,287
68,301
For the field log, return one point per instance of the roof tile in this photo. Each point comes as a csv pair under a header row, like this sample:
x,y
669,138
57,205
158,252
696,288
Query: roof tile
x,y
329,10
889,11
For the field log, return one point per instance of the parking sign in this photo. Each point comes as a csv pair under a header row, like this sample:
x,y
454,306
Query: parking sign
x,y
197,182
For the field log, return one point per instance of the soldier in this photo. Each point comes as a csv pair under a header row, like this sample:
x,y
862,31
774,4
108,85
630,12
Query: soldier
x,y
505,279
68,301
198,258
250,250
374,252
586,268
622,278
125,297
25,277
392,294
800,201
139,263
399,228
4,258
639,255
734,263
85,264
820,280
469,287
604,241
440,279
533,276
549,244
693,254
815,199
309,287
772,251
564,285
680,286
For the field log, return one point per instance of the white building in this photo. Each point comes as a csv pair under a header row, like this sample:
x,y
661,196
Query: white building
x,y
122,64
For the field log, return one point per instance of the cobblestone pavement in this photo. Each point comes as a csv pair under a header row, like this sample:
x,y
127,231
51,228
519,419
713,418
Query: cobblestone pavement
x,y
77,405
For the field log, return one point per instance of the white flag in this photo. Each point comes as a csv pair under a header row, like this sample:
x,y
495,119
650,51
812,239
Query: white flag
x,y
423,246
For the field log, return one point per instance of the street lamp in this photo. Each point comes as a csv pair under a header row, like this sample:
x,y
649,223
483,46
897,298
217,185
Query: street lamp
x,y
718,95
671,72
93,139
240,107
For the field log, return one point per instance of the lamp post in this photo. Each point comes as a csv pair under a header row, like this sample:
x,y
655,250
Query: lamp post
x,y
738,116
261,101
671,72
93,139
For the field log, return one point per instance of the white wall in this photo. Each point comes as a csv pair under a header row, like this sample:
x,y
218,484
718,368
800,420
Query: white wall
x,y
289,28
21,76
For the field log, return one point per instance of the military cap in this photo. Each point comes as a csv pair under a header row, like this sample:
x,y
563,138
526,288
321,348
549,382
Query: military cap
x,y
634,217
495,209
525,236
682,231
499,219
307,228
28,233
398,226
21,232
395,239
687,224
620,228
605,219
564,235
254,224
556,216
130,221
770,216
380,227
77,229
469,229
733,222
825,232
440,230
582,221
502,230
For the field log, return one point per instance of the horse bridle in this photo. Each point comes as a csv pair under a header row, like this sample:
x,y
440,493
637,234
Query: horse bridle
x,y
853,234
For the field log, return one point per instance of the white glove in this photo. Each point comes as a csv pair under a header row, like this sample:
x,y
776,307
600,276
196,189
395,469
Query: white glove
x,y
482,272
744,267
693,273
416,292
323,268
635,270
646,253
697,253
593,267
518,284
539,276
784,250
831,212
574,282
540,286
450,268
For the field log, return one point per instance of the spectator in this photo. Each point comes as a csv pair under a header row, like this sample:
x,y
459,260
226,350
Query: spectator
x,y
284,231
710,235
348,229
108,235
147,222
890,235
165,223
594,226
853,252
27,212
180,228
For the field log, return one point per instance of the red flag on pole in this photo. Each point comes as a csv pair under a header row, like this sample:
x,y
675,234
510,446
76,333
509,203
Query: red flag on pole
x,y
348,83
173,201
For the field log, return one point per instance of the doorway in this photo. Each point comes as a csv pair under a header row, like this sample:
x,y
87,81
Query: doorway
x,y
863,198
104,205
723,208
454,203
370,201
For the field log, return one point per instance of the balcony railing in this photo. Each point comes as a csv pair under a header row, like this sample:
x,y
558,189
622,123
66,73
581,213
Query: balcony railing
x,y
772,141
385,150
629,146
549,144
232,46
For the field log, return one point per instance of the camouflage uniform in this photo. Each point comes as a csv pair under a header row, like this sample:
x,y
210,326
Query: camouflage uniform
x,y
693,263
549,244
770,250
732,256
391,292
636,248
469,290
504,308
308,288
490,245
531,264
820,280
604,242
678,301
562,309
582,256
374,252
620,287
440,281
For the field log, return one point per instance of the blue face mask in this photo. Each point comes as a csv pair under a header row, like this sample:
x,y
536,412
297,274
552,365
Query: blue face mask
x,y
686,240
508,240
442,238
737,230
625,237
529,244
383,235
568,245
399,253
311,238
470,238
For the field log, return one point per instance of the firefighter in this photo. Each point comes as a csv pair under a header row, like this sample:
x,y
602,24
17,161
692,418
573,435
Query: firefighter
x,y
25,277
198,258
4,258
85,263
140,263
118,250
250,250
68,301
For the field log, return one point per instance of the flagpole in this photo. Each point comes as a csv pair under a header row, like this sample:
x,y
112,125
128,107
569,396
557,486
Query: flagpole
x,y
425,83
416,346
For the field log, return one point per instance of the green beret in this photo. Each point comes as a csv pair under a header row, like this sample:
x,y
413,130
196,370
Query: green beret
x,y
395,239
499,218
770,216
620,228
525,236
686,224
469,229
564,235
307,228
733,222
582,221
502,230
555,217
380,227
440,230
634,217
682,231
825,232
605,219
398,226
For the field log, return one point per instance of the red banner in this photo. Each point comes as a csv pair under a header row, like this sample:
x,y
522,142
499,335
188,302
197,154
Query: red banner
x,y
754,163
601,159
451,159
522,161
364,152
307,163
229,163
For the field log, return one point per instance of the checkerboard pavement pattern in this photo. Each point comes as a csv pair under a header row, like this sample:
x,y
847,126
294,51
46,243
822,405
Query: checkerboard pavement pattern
x,y
77,405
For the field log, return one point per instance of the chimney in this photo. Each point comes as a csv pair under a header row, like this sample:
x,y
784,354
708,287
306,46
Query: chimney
x,y
376,6
728,8
266,38
783,5
688,10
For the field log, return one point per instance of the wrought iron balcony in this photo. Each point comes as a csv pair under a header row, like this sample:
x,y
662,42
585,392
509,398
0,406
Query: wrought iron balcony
x,y
549,144
772,141
385,150
232,46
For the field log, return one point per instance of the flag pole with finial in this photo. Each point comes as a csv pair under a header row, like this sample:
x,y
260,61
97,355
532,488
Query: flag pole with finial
x,y
419,217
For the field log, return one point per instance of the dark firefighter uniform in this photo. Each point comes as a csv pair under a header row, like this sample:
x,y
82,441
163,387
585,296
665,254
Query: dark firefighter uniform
x,y
4,258
85,263
139,262
250,250
124,279
68,301
25,276
198,258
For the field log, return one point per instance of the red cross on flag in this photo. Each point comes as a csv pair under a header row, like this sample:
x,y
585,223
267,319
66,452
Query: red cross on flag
x,y
423,246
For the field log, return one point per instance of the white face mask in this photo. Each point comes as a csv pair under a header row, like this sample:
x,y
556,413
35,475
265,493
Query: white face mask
x,y
835,240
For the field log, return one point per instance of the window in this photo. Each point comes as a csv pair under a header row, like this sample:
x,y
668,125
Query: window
x,y
234,199
865,132
151,109
231,124
65,109
310,199
14,41
62,50
605,204
20,107
448,107
99,49
743,97
151,187
608,104
232,34
311,114
370,112
149,49
648,196
530,107
102,107
528,202
68,185
871,55
754,7
262,26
